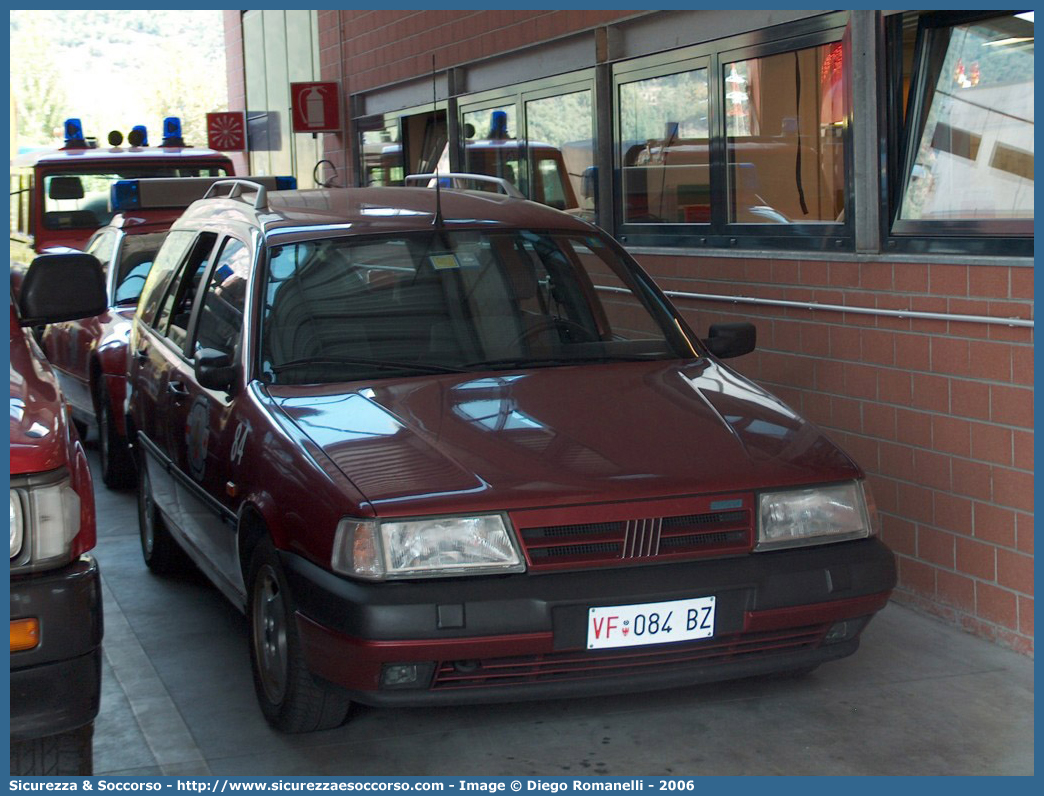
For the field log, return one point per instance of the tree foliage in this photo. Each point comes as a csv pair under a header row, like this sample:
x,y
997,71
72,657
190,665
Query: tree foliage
x,y
116,69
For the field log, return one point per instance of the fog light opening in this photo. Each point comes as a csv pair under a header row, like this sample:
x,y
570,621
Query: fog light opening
x,y
845,630
399,674
406,675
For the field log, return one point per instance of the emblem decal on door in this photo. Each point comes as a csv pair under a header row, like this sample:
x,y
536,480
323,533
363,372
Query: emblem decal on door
x,y
197,437
239,442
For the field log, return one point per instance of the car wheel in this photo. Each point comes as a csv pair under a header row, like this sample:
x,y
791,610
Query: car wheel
x,y
116,460
291,699
69,753
161,553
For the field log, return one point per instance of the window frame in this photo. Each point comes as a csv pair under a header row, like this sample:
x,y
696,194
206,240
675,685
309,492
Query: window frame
x,y
720,232
904,127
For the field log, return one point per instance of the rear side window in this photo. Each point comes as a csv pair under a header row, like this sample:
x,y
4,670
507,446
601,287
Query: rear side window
x,y
170,254
221,316
175,311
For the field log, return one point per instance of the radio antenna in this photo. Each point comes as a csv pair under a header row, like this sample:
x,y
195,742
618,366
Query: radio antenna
x,y
437,222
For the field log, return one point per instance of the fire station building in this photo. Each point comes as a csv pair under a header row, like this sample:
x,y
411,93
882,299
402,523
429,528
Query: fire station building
x,y
858,184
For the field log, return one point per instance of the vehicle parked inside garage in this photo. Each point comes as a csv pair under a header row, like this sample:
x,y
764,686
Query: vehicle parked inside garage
x,y
447,446
56,608
89,355
59,197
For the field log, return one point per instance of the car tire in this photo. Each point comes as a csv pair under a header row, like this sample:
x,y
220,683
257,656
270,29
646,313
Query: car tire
x,y
116,460
291,699
161,553
65,754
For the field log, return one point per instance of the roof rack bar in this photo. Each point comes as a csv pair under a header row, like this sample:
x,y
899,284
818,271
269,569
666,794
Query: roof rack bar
x,y
236,188
500,182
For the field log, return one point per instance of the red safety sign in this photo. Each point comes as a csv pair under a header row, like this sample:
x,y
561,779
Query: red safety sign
x,y
226,131
316,107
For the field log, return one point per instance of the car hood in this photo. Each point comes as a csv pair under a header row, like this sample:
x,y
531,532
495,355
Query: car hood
x,y
38,430
559,436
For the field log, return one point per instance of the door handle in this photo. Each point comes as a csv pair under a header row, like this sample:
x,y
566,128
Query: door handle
x,y
177,389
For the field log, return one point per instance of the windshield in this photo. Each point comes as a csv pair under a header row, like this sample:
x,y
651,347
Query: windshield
x,y
79,198
342,309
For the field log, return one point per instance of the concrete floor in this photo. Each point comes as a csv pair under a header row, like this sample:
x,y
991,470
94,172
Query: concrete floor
x,y
919,697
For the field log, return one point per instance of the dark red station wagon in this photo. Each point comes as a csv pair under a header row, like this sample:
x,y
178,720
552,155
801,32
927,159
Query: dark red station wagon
x,y
453,446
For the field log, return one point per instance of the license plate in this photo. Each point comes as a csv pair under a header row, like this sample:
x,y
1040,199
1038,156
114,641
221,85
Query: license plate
x,y
650,623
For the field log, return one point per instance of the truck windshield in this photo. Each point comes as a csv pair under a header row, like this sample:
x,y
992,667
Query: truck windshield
x,y
343,309
79,199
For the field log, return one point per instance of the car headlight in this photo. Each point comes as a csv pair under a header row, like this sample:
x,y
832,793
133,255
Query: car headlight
x,y
45,518
16,524
815,516
425,548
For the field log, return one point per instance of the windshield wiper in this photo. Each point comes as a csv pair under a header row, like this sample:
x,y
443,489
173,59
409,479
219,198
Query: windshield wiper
x,y
542,362
386,364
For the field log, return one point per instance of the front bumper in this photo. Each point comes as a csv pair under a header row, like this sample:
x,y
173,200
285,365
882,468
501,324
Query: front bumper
x,y
55,686
512,637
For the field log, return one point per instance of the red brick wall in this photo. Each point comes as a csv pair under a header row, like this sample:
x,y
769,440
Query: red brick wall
x,y
366,49
388,46
939,413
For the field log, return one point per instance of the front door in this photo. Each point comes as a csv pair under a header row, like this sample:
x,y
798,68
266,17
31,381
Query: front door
x,y
205,421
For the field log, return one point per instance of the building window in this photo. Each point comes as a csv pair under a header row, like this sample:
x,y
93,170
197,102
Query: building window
x,y
785,118
561,151
738,142
491,145
381,156
540,138
664,148
393,146
967,136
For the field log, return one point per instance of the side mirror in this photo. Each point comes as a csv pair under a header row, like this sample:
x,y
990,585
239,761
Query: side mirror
x,y
62,287
214,369
728,340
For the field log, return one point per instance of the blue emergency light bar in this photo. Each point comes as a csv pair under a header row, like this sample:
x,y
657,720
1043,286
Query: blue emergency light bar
x,y
172,132
498,124
74,134
125,195
175,192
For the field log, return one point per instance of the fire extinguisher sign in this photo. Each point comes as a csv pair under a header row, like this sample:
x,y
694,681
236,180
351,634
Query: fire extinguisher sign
x,y
316,107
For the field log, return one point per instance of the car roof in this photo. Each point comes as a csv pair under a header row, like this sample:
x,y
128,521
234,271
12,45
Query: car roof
x,y
97,156
301,214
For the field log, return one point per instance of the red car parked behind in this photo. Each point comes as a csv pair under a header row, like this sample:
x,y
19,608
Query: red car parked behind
x,y
56,610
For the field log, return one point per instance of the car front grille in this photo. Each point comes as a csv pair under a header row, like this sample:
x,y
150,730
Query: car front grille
x,y
586,665
631,540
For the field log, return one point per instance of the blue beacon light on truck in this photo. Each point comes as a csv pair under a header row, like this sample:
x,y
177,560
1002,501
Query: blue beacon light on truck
x,y
125,195
74,134
172,132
